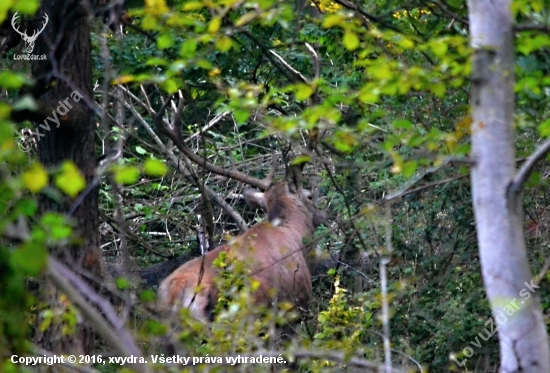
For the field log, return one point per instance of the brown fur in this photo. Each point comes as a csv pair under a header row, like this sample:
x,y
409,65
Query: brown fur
x,y
271,250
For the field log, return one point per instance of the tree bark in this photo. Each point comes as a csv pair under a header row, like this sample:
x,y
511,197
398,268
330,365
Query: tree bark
x,y
499,217
65,79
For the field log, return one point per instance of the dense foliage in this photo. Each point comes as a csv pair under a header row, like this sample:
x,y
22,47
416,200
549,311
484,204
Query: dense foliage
x,y
374,92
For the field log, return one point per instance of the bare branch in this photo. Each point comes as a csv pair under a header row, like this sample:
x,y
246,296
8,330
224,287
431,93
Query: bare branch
x,y
114,332
349,5
295,73
173,132
532,27
188,171
526,169
316,61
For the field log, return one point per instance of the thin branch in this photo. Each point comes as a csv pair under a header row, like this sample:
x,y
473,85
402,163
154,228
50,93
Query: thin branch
x,y
316,61
173,132
295,73
427,186
543,271
384,288
416,179
207,127
532,27
187,170
349,5
268,55
450,13
114,331
526,169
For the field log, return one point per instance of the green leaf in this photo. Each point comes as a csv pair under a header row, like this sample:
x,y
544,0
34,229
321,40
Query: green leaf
x,y
438,89
122,283
126,174
204,64
300,160
303,92
35,178
241,115
30,258
140,150
439,48
188,48
351,40
344,141
408,168
148,296
403,124
170,85
27,207
544,128
11,80
5,111
27,6
70,181
165,41
154,167
56,226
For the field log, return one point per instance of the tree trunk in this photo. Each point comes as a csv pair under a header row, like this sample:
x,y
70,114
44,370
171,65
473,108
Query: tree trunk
x,y
65,80
498,213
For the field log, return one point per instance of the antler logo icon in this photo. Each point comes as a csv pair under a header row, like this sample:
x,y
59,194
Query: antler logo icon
x,y
29,40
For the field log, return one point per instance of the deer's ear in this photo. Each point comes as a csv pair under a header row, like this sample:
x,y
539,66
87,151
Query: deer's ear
x,y
254,198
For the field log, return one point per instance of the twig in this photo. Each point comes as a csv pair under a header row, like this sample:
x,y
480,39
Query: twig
x,y
295,73
173,132
543,271
188,171
77,291
316,61
532,27
349,5
384,288
427,186
526,169
208,126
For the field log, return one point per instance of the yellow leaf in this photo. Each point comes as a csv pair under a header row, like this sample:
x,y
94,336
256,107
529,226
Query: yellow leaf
x,y
333,20
35,178
246,19
214,25
70,181
156,7
123,79
223,44
192,6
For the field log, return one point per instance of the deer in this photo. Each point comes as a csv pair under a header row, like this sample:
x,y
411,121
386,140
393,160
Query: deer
x,y
272,251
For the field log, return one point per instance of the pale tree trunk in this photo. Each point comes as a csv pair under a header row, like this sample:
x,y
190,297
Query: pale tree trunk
x,y
498,208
